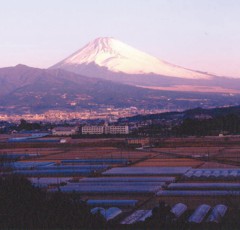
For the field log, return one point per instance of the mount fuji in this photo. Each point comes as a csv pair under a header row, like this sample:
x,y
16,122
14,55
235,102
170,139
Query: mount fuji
x,y
107,72
118,57
110,59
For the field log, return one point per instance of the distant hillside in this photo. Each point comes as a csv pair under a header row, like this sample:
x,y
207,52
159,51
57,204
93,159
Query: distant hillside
x,y
195,122
196,113
31,90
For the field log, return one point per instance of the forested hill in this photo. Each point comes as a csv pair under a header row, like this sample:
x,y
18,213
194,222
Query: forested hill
x,y
195,122
196,113
225,124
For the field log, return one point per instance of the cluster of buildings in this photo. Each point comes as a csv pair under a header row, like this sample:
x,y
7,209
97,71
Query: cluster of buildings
x,y
91,130
105,113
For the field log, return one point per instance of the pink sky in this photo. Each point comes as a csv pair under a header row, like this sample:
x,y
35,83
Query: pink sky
x,y
200,35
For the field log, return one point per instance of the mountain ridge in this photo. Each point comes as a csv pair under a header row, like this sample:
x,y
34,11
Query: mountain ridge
x,y
32,90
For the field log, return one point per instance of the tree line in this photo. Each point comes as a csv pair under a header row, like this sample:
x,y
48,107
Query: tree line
x,y
229,124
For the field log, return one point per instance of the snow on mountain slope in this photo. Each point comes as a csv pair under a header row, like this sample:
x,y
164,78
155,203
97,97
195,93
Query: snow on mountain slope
x,y
119,57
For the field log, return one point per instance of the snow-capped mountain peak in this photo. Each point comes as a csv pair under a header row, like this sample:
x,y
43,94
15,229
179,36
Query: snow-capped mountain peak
x,y
116,56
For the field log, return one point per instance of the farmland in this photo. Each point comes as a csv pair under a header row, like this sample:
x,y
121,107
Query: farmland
x,y
82,159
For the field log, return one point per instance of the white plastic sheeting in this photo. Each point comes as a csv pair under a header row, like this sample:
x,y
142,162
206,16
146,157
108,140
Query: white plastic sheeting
x,y
217,213
213,174
43,169
98,209
199,214
117,184
116,203
112,212
54,172
145,216
204,186
108,214
147,171
110,189
31,164
179,209
128,179
73,167
45,181
96,161
139,215
198,193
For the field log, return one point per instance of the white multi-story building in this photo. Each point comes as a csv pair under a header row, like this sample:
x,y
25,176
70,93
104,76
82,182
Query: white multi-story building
x,y
116,129
92,129
105,129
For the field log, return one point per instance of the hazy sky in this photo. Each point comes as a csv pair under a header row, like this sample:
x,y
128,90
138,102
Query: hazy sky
x,y
197,34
